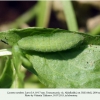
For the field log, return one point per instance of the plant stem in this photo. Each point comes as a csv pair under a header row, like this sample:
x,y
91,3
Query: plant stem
x,y
70,15
26,17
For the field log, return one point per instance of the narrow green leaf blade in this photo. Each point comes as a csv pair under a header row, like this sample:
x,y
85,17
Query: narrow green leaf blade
x,y
70,15
43,14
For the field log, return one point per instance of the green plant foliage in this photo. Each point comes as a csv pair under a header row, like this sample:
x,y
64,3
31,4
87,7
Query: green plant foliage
x,y
59,58
7,76
12,36
76,68
17,65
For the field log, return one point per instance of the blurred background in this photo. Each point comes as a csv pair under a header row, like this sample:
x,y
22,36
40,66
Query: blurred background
x,y
82,16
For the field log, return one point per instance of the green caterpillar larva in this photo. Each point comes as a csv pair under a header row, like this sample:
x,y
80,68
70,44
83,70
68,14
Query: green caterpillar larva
x,y
50,42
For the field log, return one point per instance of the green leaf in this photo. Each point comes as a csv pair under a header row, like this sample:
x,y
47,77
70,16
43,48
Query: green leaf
x,y
14,35
75,68
7,76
